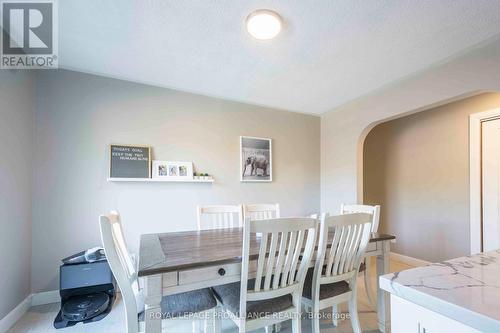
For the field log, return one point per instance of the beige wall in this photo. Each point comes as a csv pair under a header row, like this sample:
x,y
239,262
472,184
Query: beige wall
x,y
17,107
343,129
78,115
417,168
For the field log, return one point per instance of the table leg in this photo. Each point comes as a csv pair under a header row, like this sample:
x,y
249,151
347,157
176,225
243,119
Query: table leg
x,y
383,305
153,294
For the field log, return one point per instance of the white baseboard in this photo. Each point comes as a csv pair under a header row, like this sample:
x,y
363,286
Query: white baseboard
x,y
46,297
409,260
12,317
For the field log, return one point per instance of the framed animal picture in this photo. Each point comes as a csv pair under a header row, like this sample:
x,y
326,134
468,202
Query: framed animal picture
x,y
256,159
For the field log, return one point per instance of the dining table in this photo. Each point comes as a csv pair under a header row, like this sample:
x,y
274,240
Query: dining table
x,y
176,262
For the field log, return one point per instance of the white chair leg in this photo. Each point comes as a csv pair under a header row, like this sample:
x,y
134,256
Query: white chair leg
x,y
217,320
368,284
211,324
269,329
335,315
196,326
353,311
296,323
315,320
297,316
242,327
207,326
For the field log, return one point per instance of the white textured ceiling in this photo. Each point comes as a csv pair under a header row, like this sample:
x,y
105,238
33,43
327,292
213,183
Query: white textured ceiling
x,y
330,51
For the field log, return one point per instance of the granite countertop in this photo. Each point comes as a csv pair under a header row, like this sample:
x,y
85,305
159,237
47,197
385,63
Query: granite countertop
x,y
465,289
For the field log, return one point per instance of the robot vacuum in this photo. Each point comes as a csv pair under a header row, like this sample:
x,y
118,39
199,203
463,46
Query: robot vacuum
x,y
84,307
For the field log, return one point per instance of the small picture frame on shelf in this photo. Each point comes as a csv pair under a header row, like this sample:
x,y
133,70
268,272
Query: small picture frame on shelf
x,y
169,170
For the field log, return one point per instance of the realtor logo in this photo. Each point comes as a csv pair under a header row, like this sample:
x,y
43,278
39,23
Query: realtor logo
x,y
29,34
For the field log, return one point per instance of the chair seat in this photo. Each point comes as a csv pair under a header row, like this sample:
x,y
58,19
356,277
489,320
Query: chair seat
x,y
326,290
229,296
186,303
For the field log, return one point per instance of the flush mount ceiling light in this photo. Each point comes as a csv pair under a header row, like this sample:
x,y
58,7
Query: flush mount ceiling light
x,y
264,24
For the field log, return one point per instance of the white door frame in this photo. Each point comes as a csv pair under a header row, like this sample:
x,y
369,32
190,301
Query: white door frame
x,y
475,174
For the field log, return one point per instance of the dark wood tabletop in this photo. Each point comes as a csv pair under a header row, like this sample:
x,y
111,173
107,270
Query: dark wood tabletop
x,y
173,251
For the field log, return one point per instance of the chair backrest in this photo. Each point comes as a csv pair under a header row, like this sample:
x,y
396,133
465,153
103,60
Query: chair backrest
x,y
285,252
342,244
261,211
219,217
373,210
122,266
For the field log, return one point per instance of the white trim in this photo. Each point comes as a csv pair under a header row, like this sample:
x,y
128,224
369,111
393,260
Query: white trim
x,y
46,297
42,298
409,260
13,316
475,121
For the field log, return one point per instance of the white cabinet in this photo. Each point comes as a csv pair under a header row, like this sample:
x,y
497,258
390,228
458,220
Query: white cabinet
x,y
407,317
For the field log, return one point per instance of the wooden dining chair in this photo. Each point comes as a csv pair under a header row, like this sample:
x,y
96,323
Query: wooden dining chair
x,y
125,274
273,294
219,217
365,267
261,211
372,210
333,279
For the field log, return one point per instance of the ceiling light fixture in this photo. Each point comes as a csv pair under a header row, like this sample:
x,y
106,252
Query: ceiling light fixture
x,y
264,24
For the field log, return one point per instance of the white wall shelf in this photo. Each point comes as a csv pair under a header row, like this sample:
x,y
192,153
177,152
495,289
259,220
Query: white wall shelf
x,y
154,180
